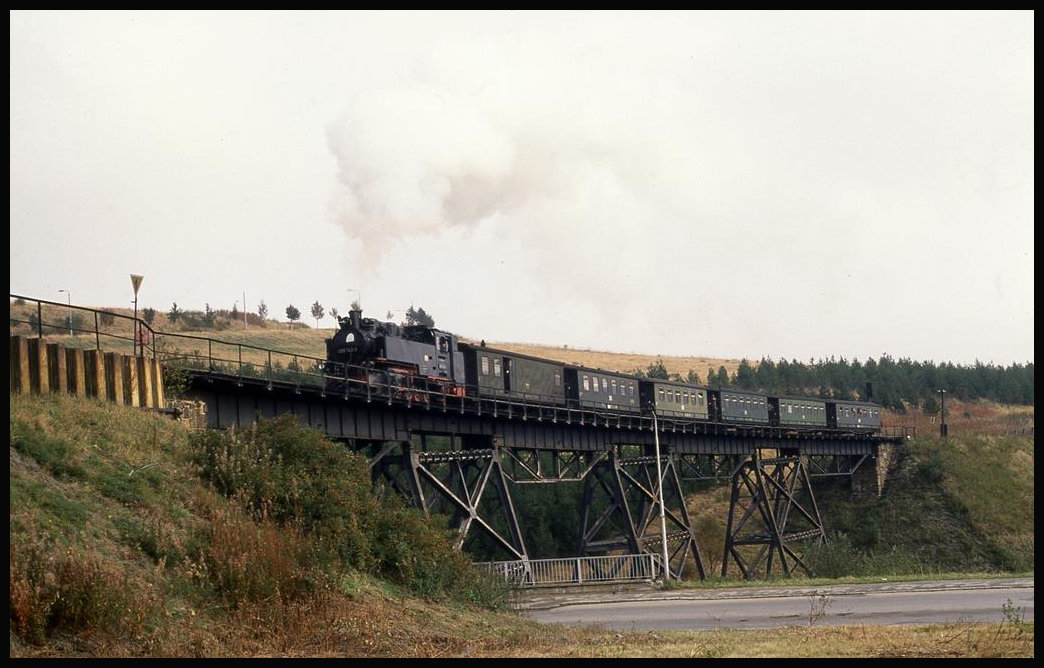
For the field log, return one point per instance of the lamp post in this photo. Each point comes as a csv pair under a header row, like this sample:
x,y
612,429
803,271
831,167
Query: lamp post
x,y
68,296
942,422
244,311
659,494
136,280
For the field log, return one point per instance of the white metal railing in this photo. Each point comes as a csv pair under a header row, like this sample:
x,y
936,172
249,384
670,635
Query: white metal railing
x,y
577,570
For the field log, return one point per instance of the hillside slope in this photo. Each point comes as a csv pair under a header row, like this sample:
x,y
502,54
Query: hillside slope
x,y
116,543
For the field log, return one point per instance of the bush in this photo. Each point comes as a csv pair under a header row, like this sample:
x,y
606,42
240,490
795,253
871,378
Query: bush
x,y
293,477
53,588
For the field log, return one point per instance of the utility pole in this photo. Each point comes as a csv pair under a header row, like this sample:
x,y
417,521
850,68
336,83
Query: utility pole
x,y
942,421
659,494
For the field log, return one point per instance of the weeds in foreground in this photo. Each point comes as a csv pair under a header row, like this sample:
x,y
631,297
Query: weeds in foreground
x,y
818,602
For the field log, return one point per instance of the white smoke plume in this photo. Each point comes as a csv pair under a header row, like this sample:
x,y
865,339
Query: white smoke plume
x,y
549,146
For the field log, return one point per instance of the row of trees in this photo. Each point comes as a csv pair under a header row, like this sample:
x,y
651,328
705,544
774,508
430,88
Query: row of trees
x,y
896,384
208,317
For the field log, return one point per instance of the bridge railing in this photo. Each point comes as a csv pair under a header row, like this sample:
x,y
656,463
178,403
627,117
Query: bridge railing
x,y
576,571
84,327
81,327
242,361
90,328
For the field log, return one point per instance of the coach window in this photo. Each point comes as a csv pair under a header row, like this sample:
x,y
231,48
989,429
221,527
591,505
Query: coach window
x,y
605,385
587,385
661,395
558,379
496,366
485,365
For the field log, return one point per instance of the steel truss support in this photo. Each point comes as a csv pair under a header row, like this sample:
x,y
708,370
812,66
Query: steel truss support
x,y
620,511
834,465
467,485
709,466
771,512
529,465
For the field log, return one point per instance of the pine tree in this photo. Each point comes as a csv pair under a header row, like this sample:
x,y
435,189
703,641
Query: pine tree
x,y
208,315
657,370
745,378
419,317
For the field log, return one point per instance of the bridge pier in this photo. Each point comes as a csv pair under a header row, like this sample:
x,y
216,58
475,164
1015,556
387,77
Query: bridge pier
x,y
468,484
622,494
772,512
868,480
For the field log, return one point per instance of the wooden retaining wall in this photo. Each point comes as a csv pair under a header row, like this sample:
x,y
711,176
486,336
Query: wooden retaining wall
x,y
38,367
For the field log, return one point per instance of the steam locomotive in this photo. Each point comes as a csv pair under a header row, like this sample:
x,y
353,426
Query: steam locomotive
x,y
417,362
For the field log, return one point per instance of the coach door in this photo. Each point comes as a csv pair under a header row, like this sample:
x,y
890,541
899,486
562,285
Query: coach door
x,y
507,374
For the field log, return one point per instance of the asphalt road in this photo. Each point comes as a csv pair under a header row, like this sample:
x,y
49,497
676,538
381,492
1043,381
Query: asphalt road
x,y
775,607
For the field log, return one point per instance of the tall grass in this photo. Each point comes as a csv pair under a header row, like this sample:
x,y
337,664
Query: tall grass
x,y
125,528
72,590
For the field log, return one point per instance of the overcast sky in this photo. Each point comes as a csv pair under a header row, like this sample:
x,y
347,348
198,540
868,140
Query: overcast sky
x,y
730,184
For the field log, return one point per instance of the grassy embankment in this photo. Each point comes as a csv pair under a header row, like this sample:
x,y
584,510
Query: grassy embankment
x,y
126,541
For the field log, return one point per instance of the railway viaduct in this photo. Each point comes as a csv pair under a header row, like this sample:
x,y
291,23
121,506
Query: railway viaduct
x,y
464,457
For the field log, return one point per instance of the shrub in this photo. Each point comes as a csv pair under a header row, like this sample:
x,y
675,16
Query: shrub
x,y
281,471
251,562
53,588
293,477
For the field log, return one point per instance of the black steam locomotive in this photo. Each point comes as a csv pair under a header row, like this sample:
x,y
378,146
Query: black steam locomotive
x,y
418,363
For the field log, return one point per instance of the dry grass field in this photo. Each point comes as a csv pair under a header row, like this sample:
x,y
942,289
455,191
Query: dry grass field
x,y
620,362
300,338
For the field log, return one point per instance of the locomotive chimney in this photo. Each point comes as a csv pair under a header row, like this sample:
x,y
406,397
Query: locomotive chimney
x,y
356,316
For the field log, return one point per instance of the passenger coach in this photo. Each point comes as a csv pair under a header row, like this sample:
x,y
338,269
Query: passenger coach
x,y
671,399
489,372
594,388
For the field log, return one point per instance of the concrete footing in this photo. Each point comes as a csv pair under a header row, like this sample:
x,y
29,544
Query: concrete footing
x,y
41,368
